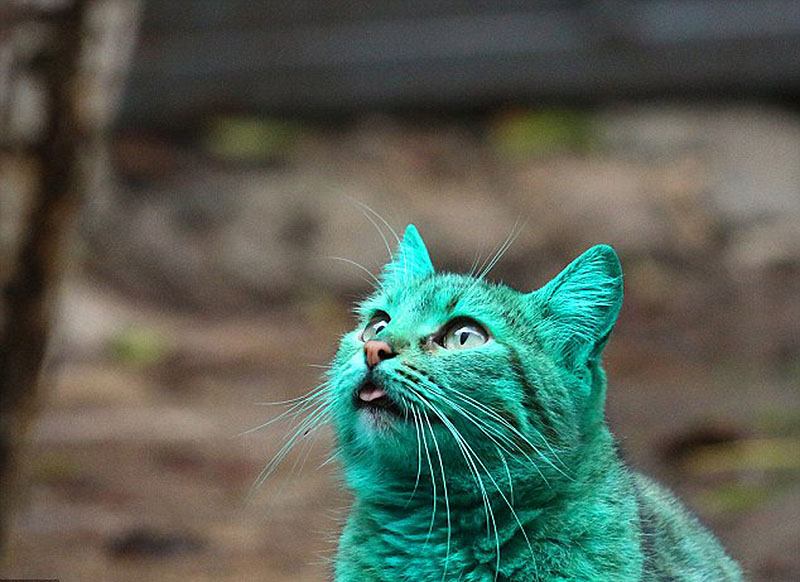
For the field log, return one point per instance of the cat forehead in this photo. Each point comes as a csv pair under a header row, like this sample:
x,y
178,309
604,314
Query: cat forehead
x,y
444,294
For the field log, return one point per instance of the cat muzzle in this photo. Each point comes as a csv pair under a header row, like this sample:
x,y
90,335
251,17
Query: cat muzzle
x,y
373,397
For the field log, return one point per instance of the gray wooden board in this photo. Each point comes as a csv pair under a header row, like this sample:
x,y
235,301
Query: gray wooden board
x,y
198,56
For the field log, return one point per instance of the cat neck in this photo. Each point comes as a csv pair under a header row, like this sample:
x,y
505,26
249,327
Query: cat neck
x,y
468,533
509,492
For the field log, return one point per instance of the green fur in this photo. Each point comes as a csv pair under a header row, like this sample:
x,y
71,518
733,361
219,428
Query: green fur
x,y
502,467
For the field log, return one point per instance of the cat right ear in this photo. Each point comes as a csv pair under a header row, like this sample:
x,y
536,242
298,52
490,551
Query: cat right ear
x,y
410,261
580,306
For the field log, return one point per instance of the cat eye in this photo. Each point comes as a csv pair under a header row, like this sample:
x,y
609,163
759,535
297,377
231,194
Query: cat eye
x,y
464,335
376,325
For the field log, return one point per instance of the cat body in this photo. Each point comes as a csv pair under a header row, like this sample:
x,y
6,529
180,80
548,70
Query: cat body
x,y
469,420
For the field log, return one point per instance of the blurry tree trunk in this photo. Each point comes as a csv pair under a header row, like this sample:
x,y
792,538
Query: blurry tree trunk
x,y
61,63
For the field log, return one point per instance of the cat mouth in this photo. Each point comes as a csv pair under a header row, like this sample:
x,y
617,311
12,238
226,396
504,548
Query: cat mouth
x,y
373,398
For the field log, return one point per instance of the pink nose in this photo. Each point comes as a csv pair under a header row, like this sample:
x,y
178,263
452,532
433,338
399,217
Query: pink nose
x,y
377,351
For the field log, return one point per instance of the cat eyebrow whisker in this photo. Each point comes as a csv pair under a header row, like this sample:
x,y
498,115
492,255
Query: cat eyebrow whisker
x,y
373,279
516,230
474,265
378,216
380,232
493,253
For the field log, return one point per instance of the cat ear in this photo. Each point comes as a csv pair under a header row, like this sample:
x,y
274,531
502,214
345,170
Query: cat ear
x,y
410,261
580,306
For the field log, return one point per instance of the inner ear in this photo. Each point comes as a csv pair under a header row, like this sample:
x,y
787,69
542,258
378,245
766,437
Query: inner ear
x,y
580,306
410,261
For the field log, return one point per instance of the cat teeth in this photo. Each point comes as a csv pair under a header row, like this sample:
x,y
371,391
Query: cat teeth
x,y
370,392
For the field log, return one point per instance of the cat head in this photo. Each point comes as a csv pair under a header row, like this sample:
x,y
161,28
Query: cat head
x,y
455,371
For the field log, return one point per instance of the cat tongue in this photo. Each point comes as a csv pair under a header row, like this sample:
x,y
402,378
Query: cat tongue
x,y
370,392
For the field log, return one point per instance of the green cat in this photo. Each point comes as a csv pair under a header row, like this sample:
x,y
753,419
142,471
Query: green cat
x,y
469,420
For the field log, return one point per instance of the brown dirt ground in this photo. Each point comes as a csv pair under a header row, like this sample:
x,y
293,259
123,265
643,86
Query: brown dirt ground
x,y
137,471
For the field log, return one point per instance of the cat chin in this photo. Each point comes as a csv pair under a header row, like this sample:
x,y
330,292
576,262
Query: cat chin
x,y
377,419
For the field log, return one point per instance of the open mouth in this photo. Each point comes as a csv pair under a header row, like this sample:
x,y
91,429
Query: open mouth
x,y
373,398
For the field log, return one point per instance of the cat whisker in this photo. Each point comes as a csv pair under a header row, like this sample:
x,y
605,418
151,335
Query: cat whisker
x,y
459,438
514,430
378,216
332,457
419,451
454,431
482,425
493,253
474,265
433,486
307,446
512,236
491,523
444,489
296,409
305,396
373,280
325,367
391,230
307,426
380,232
508,474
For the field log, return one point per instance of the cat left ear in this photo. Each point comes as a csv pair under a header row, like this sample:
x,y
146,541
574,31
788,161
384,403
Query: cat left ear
x,y
580,306
410,261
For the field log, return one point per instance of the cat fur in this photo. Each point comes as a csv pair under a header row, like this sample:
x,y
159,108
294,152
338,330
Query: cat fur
x,y
536,490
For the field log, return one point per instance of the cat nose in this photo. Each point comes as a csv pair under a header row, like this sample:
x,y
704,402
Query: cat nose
x,y
377,351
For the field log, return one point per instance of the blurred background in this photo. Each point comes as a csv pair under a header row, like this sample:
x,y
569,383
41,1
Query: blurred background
x,y
176,176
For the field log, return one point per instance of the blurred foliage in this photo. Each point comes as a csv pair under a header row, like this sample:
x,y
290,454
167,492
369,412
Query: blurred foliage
x,y
779,422
525,133
760,454
250,139
320,308
139,347
734,497
54,468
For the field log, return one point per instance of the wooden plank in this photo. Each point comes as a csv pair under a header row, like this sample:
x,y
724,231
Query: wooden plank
x,y
163,16
452,53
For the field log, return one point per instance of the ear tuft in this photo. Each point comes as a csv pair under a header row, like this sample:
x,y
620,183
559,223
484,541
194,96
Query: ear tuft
x,y
410,261
580,306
